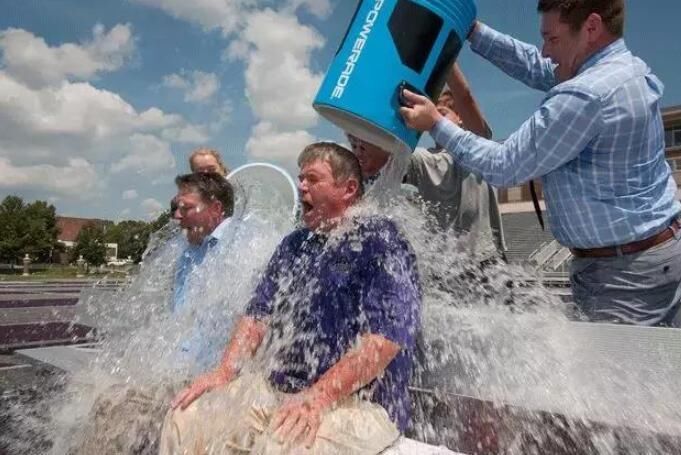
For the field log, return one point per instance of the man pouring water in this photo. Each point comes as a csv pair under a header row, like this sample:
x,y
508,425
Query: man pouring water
x,y
597,143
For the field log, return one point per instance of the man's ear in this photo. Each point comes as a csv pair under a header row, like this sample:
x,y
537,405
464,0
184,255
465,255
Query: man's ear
x,y
351,190
216,208
594,26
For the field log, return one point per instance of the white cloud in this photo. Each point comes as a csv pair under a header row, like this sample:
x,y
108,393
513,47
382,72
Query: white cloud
x,y
320,8
221,117
77,178
29,59
71,111
186,133
229,16
130,195
224,15
198,87
148,156
279,84
277,50
152,208
76,131
268,143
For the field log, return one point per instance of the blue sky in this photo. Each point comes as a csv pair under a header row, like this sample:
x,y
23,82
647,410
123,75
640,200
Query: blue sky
x,y
102,100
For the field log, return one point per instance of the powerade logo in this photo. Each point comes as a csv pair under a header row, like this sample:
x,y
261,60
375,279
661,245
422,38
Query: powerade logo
x,y
357,49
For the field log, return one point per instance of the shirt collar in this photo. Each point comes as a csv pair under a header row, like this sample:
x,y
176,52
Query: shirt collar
x,y
219,231
616,47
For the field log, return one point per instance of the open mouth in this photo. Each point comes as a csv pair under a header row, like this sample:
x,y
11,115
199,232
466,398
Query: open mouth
x,y
306,206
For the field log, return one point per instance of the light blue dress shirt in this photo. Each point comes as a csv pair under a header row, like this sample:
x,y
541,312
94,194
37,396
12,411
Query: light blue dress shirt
x,y
197,348
596,141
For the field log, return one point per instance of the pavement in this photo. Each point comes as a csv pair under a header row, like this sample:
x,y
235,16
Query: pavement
x,y
37,318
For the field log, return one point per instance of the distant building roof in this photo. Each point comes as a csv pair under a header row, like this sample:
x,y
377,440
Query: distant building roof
x,y
69,227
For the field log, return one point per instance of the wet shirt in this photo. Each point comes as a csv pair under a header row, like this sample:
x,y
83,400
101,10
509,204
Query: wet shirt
x,y
457,199
192,258
189,276
319,294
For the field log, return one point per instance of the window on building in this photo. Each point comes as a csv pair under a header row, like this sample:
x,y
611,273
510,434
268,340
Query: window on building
x,y
672,137
675,164
514,194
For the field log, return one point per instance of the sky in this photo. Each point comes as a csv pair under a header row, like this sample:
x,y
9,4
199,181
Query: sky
x,y
101,101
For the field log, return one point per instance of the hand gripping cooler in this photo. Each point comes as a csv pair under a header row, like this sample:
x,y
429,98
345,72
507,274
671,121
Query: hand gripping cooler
x,y
390,45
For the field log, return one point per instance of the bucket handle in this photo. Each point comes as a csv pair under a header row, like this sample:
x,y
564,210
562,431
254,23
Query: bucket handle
x,y
401,87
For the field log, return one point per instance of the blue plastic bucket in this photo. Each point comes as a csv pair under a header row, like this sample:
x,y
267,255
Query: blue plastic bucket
x,y
391,44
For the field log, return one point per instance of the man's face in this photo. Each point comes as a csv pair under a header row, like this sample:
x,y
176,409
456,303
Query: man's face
x,y
371,158
566,48
443,105
205,164
324,199
196,217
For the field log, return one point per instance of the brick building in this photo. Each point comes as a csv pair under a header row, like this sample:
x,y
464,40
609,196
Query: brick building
x,y
70,227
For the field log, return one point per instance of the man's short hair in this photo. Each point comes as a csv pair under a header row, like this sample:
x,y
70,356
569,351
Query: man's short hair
x,y
211,187
223,170
450,101
344,164
575,12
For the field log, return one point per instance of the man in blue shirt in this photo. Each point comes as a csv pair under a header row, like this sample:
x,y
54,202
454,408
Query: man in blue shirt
x,y
323,355
205,203
204,206
597,143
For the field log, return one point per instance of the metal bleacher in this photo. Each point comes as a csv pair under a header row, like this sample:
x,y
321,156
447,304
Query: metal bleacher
x,y
528,244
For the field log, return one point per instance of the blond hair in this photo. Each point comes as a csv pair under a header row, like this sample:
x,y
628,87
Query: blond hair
x,y
223,170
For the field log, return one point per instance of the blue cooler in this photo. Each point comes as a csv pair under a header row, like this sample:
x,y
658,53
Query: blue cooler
x,y
389,45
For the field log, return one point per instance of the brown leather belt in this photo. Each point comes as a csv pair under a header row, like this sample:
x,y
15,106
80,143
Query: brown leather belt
x,y
630,248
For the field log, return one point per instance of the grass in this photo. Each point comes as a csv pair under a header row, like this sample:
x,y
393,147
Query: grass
x,y
52,272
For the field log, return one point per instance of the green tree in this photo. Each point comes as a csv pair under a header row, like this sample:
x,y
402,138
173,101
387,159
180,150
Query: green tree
x,y
12,225
161,221
28,229
41,231
132,238
90,244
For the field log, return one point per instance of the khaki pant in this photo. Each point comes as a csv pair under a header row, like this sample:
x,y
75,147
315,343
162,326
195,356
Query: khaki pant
x,y
234,420
125,420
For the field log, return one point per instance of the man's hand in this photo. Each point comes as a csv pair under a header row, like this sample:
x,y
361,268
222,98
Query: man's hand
x,y
204,383
299,418
421,114
474,28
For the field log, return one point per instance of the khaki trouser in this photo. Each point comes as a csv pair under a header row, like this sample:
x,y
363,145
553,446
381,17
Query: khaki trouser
x,y
234,419
125,420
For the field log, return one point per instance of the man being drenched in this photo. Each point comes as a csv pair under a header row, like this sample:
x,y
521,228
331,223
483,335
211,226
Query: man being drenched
x,y
321,360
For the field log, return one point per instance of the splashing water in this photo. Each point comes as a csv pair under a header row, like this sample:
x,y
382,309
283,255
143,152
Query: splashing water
x,y
501,368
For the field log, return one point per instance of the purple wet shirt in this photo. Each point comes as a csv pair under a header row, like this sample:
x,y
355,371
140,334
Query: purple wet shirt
x,y
319,294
